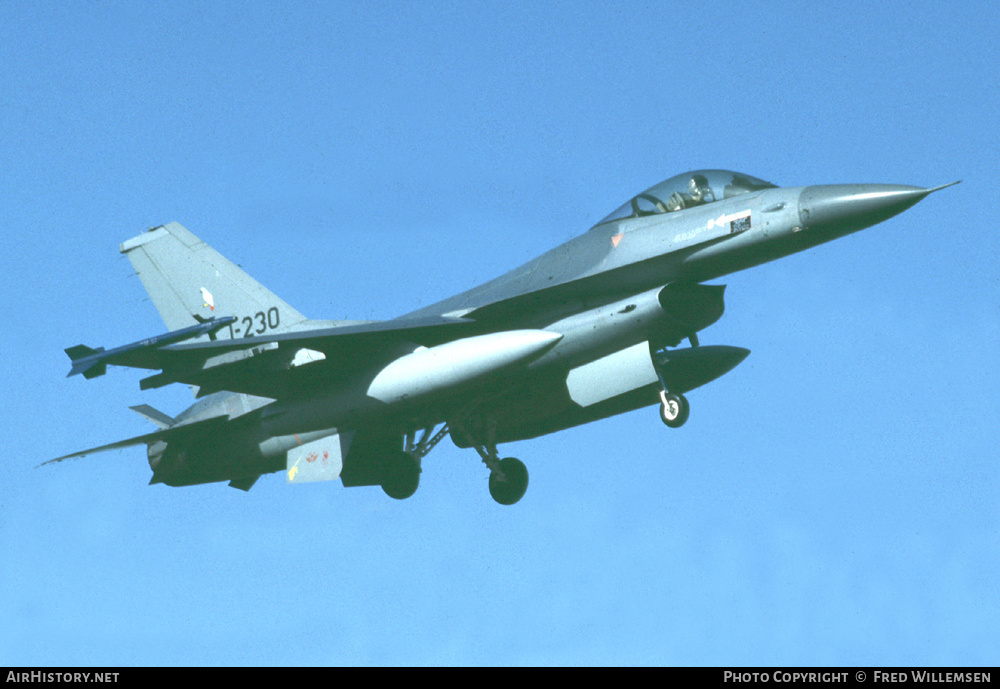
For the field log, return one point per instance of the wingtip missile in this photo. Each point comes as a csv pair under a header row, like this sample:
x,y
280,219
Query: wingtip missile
x,y
94,362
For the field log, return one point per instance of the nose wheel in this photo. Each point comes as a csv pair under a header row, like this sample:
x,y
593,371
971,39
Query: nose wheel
x,y
674,409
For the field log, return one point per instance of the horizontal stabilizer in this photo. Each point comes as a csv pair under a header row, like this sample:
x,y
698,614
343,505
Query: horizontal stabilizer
x,y
203,427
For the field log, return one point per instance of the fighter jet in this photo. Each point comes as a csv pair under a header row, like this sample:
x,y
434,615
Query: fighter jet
x,y
606,323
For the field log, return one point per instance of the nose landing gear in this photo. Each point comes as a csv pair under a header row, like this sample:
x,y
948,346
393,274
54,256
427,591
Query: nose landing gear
x,y
674,409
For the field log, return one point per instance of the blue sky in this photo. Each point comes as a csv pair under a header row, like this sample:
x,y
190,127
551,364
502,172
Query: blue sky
x,y
831,501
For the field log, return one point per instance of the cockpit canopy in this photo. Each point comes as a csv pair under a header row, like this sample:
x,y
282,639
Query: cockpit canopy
x,y
690,189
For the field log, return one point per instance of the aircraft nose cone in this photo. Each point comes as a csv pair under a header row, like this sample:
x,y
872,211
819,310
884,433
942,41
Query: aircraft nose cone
x,y
843,208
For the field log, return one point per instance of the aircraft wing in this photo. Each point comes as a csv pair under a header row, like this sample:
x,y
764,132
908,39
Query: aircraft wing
x,y
288,363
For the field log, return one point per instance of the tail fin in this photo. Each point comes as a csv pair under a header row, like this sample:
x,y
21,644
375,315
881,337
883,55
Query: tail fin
x,y
190,281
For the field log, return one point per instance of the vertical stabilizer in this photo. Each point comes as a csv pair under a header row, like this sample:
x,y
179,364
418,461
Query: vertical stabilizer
x,y
190,281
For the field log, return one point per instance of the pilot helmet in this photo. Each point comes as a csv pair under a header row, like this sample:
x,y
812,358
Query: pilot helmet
x,y
698,187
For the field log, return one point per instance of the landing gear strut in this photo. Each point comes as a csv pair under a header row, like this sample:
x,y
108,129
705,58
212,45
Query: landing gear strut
x,y
508,476
674,407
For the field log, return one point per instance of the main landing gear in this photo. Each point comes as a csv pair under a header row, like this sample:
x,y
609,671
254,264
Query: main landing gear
x,y
508,480
508,476
401,472
401,475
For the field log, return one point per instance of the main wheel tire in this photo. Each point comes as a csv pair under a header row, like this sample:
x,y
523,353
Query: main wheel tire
x,y
402,476
674,409
512,486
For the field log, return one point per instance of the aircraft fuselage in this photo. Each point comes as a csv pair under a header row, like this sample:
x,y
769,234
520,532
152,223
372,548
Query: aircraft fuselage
x,y
580,333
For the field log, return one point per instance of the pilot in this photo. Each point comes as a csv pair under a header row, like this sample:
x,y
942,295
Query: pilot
x,y
699,192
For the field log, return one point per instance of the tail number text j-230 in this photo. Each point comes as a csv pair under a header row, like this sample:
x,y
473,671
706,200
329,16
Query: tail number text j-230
x,y
257,324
